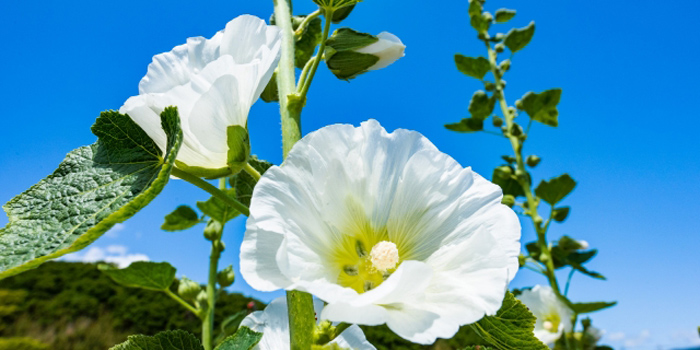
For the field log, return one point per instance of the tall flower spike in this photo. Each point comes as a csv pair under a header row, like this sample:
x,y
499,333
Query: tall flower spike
x,y
213,82
273,323
385,229
553,316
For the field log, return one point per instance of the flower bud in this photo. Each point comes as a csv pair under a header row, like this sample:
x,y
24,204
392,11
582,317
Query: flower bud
x,y
350,53
201,301
226,277
188,289
489,86
519,104
213,230
508,200
497,122
583,244
499,47
504,65
533,160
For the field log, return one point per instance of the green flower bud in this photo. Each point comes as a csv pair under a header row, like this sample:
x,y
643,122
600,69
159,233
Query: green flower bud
x,y
226,277
508,200
519,104
188,289
350,53
201,301
497,122
489,86
342,13
504,65
533,160
499,47
516,130
219,245
213,230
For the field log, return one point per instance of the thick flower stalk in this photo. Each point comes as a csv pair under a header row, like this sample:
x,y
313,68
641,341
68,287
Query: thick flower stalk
x,y
273,323
553,316
213,82
385,228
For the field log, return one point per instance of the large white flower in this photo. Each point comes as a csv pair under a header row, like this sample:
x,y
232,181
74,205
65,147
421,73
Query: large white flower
x,y
384,228
213,82
273,323
553,316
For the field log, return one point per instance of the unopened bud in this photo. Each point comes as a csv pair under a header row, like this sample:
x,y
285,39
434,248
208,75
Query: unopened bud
x,y
201,301
499,47
508,200
583,244
219,245
213,230
188,289
519,104
226,276
533,160
504,65
516,130
489,86
350,53
497,122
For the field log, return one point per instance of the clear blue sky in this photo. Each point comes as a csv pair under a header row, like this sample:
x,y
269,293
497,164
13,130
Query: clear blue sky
x,y
628,134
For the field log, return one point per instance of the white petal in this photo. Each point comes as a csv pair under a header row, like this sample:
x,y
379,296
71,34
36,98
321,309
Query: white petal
x,y
388,48
258,251
245,35
140,111
353,338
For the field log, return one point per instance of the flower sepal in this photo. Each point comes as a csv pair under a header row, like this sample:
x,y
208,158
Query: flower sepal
x,y
238,148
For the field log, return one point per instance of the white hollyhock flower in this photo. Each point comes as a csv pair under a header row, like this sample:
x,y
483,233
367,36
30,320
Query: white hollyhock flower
x,y
213,82
273,323
384,228
553,316
388,48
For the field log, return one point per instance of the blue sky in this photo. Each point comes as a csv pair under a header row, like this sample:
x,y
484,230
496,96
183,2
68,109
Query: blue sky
x,y
628,131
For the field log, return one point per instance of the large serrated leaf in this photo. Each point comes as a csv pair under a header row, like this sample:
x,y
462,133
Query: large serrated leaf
x,y
168,340
244,339
511,328
93,189
142,274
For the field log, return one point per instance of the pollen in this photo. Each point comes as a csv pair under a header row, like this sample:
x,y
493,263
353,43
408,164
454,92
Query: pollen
x,y
384,256
547,325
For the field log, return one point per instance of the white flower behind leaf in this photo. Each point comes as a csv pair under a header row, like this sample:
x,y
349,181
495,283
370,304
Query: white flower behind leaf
x,y
273,323
385,228
553,316
213,82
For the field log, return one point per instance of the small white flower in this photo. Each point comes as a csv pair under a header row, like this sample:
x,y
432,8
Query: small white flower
x,y
213,82
273,323
553,316
388,48
385,229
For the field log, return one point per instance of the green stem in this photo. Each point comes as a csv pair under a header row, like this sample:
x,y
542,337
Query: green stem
x,y
251,171
301,319
215,255
182,302
568,281
290,113
305,22
521,173
319,55
305,72
211,189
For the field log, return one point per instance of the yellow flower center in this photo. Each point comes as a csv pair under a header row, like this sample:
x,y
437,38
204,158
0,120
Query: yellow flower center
x,y
551,322
384,256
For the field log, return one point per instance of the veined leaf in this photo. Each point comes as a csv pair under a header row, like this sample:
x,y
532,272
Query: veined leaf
x,y
466,125
518,38
93,189
473,67
511,328
554,190
504,15
216,209
182,218
142,274
542,107
168,340
244,339
243,183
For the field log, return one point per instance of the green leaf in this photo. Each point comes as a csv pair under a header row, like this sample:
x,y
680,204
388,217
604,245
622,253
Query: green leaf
x,y
475,7
93,189
560,214
554,190
504,15
587,272
182,218
142,274
518,38
216,209
479,347
542,107
481,105
481,22
473,67
511,328
341,14
244,339
271,93
344,39
584,308
467,125
243,183
238,147
168,340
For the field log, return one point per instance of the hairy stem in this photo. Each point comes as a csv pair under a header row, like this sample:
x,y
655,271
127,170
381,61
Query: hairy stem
x,y
301,310
208,319
521,173
211,189
306,21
